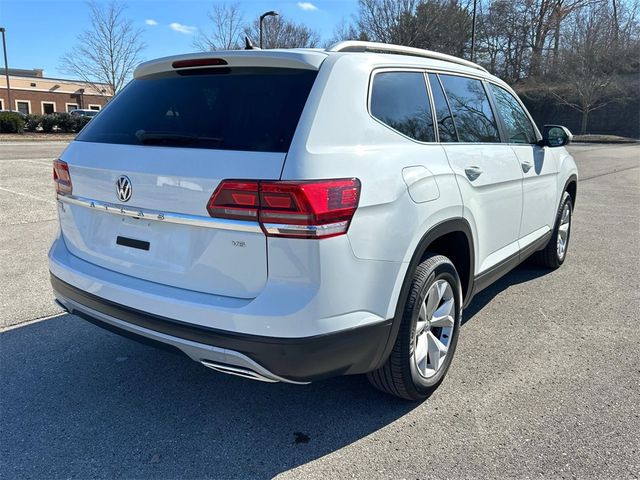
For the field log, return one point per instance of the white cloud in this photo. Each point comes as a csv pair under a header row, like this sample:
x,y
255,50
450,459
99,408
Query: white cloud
x,y
178,27
308,6
151,22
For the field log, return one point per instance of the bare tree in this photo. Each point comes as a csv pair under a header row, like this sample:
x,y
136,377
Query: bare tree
x,y
345,31
588,66
444,26
108,51
278,32
504,38
389,21
227,29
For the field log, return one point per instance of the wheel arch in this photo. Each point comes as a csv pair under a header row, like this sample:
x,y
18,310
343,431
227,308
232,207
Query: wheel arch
x,y
446,237
571,186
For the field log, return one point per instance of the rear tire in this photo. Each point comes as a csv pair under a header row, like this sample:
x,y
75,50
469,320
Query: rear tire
x,y
428,333
555,252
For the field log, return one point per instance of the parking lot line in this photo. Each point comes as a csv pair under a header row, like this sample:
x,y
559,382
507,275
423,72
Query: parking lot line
x,y
28,195
40,161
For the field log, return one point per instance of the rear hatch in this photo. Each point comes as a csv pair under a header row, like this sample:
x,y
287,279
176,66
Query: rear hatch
x,y
143,171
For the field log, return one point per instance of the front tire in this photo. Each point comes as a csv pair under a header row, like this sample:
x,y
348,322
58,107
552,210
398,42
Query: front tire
x,y
554,253
428,333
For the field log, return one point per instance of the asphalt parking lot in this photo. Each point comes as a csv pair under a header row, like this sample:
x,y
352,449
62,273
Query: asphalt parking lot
x,y
545,383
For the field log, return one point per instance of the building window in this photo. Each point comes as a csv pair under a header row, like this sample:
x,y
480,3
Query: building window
x,y
48,107
1,104
23,106
71,106
94,107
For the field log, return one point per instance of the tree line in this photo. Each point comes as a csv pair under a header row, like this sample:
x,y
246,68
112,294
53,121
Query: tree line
x,y
583,54
229,28
578,53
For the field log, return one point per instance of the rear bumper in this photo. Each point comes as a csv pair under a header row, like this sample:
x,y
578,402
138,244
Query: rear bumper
x,y
297,360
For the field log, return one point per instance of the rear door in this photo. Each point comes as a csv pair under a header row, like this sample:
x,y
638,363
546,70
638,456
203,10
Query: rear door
x,y
488,174
143,171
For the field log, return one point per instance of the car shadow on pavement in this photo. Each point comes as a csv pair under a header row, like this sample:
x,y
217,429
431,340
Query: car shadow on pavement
x,y
524,272
77,401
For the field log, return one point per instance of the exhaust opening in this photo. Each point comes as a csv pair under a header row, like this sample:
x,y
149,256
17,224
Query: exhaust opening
x,y
238,371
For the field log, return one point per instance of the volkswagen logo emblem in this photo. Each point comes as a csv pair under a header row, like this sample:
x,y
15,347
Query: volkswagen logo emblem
x,y
123,188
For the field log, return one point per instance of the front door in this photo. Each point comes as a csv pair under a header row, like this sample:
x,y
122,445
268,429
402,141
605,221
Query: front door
x,y
538,164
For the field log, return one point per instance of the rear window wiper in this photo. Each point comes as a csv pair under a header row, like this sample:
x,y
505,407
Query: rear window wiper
x,y
169,138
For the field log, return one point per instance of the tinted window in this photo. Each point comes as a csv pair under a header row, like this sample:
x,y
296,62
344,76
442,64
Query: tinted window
x,y
471,109
446,128
516,122
400,100
253,109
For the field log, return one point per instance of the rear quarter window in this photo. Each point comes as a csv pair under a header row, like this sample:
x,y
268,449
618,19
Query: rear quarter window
x,y
400,100
250,109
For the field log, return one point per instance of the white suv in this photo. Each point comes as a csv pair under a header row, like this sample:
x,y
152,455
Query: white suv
x,y
292,215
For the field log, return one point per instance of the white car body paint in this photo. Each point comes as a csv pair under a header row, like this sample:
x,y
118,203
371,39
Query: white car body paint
x,y
241,281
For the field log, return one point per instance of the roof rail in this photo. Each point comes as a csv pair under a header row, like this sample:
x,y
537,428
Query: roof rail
x,y
357,46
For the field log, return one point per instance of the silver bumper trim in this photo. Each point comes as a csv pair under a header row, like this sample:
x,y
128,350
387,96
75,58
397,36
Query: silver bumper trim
x,y
158,216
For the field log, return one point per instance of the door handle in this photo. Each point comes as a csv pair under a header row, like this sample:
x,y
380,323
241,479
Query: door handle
x,y
526,166
473,172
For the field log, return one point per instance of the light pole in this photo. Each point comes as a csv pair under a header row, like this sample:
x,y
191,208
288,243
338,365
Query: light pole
x,y
473,31
271,13
6,67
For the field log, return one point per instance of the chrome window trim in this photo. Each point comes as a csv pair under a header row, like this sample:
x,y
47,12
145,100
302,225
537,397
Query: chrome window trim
x,y
159,216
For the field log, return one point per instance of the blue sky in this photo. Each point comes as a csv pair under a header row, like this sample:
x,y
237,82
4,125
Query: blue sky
x,y
39,32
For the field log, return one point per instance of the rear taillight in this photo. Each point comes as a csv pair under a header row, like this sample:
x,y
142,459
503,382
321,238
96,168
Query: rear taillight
x,y
62,178
307,209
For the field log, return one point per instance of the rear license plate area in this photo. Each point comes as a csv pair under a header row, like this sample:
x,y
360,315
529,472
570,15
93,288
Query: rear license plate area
x,y
132,243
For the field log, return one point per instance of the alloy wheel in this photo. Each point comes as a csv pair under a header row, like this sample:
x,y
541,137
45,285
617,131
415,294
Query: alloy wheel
x,y
434,329
563,231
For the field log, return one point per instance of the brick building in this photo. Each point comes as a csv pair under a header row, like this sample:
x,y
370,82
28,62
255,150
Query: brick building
x,y
31,92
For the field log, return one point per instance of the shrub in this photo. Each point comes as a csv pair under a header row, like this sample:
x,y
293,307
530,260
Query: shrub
x,y
65,122
80,122
11,122
48,122
33,122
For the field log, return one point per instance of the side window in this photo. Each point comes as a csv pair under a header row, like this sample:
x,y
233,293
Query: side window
x,y
471,109
516,122
399,99
446,128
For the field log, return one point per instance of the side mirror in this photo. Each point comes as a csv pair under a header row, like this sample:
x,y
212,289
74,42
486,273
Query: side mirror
x,y
556,136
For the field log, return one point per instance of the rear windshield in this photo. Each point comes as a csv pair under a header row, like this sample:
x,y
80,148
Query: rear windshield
x,y
250,109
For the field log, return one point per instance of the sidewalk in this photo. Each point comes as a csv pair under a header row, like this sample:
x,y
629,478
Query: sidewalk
x,y
594,138
36,137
